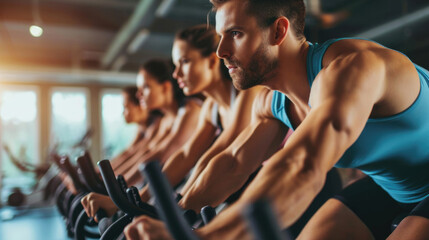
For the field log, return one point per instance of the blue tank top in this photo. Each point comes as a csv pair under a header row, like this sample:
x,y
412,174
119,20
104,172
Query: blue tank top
x,y
394,150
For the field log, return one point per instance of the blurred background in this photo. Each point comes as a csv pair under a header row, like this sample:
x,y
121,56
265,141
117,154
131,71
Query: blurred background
x,y
63,63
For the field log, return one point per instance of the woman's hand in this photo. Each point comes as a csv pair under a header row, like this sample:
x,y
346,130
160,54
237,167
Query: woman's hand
x,y
94,201
146,228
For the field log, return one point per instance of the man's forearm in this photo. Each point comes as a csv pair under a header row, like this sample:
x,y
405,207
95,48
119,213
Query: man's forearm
x,y
286,185
229,170
295,175
215,184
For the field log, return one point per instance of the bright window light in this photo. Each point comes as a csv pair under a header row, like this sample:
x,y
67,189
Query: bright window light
x,y
19,129
18,106
116,133
36,31
69,120
70,107
112,108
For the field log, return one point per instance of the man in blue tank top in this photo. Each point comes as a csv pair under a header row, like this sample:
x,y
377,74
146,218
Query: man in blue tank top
x,y
352,103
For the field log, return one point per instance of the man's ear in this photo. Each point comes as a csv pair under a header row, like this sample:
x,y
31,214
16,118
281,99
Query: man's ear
x,y
279,29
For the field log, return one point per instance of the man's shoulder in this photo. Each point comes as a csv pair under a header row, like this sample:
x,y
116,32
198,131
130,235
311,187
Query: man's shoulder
x,y
263,102
342,48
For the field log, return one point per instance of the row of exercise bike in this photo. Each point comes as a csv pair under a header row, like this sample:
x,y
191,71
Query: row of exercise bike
x,y
180,222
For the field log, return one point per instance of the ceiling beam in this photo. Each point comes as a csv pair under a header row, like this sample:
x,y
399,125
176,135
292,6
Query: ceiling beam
x,y
115,4
20,74
141,18
124,4
384,29
60,13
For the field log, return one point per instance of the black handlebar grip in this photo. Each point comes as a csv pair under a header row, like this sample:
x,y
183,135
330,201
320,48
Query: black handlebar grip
x,y
190,216
133,192
100,214
72,172
262,222
90,163
117,196
168,209
207,214
178,197
90,175
122,183
137,200
130,196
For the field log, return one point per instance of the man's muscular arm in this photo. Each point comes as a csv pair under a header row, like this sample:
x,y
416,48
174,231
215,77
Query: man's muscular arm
x,y
229,170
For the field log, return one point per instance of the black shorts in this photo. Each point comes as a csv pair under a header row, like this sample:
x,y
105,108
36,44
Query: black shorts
x,y
376,208
332,187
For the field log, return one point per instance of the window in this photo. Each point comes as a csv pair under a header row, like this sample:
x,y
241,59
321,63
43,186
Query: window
x,y
116,133
69,120
19,130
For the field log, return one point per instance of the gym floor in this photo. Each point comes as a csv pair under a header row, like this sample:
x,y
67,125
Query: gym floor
x,y
32,224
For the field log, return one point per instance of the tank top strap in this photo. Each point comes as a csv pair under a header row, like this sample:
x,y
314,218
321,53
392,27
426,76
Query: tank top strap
x,y
279,105
315,56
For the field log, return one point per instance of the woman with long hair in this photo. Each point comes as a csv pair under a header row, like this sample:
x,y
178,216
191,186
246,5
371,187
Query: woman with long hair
x,y
158,91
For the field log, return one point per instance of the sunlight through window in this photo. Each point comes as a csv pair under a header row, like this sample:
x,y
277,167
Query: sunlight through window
x,y
24,101
69,122
19,132
116,133
70,107
112,110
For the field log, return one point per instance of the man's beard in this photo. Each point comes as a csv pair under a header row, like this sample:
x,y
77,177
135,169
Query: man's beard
x,y
260,69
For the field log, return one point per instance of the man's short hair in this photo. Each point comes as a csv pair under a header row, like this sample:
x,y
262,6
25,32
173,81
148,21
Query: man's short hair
x,y
267,11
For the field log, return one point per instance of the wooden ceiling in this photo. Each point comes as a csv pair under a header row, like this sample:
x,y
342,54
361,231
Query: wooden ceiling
x,y
118,35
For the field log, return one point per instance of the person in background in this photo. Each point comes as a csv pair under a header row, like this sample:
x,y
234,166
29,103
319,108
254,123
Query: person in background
x,y
148,123
158,91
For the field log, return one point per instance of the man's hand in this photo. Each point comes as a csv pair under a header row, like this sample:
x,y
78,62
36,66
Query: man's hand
x,y
94,201
146,228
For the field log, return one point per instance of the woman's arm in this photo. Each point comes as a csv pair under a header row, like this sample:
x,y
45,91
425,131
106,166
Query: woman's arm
x,y
181,162
181,131
240,118
161,132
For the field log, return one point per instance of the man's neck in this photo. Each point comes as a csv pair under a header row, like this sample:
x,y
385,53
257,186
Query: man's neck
x,y
291,78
